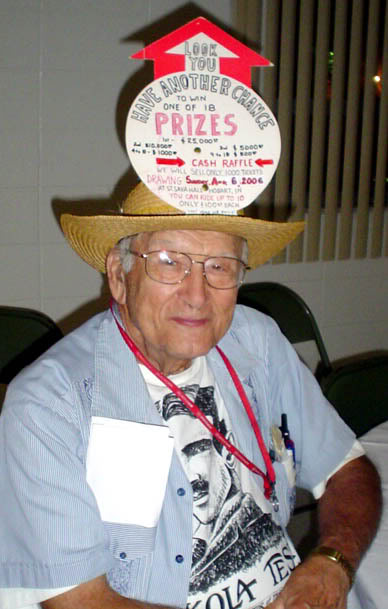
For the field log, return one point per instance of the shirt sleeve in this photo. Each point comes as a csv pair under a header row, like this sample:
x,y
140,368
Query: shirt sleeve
x,y
51,530
356,451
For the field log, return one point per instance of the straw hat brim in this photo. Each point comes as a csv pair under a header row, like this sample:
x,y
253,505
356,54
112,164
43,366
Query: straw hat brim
x,y
93,236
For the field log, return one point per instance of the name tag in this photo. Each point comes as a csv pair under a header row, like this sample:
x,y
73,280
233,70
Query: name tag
x,y
127,467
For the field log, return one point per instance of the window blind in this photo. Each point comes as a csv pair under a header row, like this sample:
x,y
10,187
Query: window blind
x,y
328,91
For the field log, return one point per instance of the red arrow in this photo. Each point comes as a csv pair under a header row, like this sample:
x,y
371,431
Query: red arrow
x,y
168,60
176,161
262,162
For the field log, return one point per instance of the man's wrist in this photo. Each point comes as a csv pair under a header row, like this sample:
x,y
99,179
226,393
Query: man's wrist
x,y
336,556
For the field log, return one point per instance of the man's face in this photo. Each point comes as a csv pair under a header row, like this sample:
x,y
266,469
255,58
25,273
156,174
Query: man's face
x,y
172,324
208,473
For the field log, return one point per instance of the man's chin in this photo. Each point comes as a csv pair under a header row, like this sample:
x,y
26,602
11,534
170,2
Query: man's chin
x,y
184,357
193,344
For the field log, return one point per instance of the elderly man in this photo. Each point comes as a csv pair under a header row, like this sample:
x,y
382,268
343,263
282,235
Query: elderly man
x,y
98,511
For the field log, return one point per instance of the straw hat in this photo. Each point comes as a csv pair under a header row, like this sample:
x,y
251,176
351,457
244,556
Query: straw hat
x,y
93,236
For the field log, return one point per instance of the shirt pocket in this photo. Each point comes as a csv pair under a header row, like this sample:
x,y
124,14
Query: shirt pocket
x,y
127,495
132,547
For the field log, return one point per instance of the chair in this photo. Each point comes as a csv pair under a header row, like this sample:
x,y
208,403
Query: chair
x,y
359,392
24,335
291,313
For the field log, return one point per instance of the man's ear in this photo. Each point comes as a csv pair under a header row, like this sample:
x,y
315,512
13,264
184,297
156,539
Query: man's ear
x,y
116,276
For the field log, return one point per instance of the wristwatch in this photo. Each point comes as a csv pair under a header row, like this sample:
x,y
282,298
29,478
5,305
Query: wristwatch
x,y
338,557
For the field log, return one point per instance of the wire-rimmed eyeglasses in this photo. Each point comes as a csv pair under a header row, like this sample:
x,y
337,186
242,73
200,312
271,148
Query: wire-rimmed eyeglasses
x,y
170,267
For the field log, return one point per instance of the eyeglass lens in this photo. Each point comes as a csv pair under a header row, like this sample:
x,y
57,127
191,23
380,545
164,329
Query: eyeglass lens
x,y
172,267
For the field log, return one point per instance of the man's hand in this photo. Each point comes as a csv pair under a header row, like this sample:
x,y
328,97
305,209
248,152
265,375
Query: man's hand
x,y
318,583
348,514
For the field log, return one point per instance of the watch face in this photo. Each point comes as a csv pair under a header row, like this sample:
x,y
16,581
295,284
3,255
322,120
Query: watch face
x,y
203,143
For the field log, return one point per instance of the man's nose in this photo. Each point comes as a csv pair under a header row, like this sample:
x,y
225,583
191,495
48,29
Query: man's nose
x,y
194,287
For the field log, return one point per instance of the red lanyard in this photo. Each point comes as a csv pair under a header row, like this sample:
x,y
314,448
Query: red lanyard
x,y
269,476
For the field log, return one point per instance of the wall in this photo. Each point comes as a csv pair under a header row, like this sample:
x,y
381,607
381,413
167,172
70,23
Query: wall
x,y
66,86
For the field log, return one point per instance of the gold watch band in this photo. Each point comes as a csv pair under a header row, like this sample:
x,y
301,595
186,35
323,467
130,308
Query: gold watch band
x,y
338,557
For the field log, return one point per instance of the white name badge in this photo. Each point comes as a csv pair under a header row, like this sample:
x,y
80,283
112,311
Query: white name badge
x,y
127,468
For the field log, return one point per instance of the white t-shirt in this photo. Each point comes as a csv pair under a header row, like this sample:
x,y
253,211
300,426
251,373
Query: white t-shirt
x,y
238,548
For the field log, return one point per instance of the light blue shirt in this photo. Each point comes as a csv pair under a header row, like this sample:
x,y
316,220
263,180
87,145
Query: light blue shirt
x,y
50,528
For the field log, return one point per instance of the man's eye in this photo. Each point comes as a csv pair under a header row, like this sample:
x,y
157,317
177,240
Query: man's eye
x,y
217,267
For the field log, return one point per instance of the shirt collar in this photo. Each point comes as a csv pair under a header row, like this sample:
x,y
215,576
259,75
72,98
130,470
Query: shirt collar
x,y
120,391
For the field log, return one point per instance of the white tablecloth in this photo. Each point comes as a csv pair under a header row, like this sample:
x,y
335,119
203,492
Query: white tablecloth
x,y
371,585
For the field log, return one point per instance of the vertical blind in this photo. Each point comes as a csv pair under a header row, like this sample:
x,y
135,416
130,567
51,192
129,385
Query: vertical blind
x,y
328,91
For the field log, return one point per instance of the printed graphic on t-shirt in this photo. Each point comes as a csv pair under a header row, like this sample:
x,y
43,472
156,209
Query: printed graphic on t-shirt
x,y
241,557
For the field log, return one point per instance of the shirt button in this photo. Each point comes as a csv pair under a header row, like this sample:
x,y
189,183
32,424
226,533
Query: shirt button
x,y
123,555
179,558
181,491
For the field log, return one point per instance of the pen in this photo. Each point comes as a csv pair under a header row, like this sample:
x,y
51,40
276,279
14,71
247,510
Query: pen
x,y
289,444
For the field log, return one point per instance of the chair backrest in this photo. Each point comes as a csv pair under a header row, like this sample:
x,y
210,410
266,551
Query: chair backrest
x,y
290,311
359,392
24,335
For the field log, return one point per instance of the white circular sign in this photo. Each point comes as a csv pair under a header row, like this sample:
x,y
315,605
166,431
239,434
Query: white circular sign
x,y
203,143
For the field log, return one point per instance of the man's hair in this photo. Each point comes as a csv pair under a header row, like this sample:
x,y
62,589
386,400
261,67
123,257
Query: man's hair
x,y
124,247
244,251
